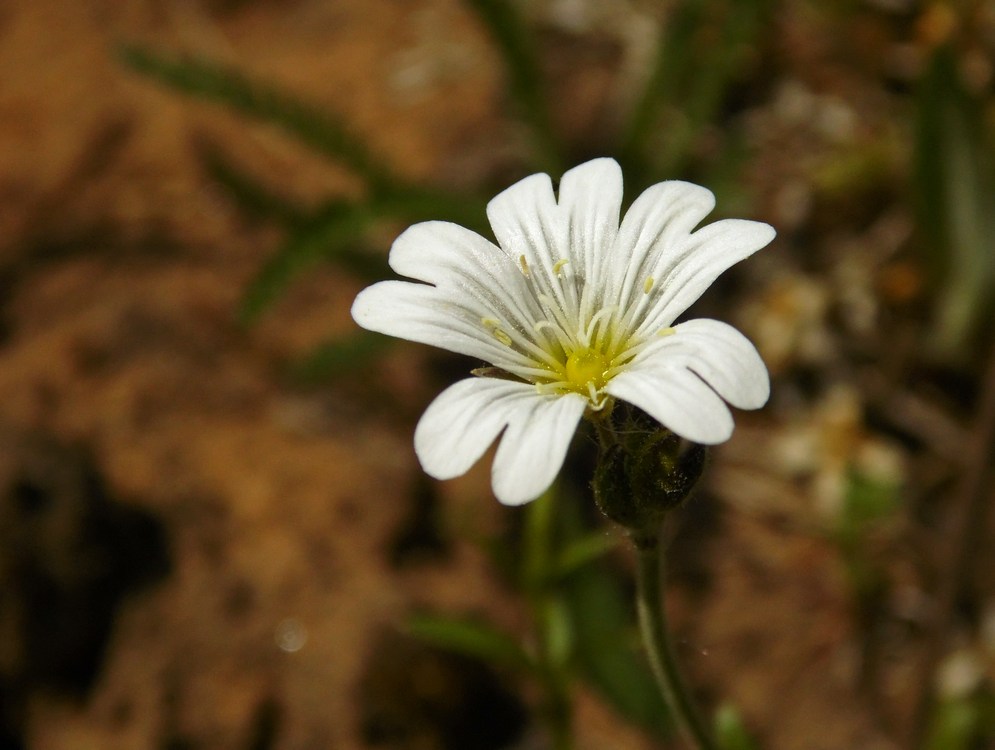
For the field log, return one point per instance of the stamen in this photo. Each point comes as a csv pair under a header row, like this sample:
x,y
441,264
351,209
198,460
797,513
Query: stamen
x,y
599,316
490,322
648,284
555,332
524,264
558,314
501,336
592,392
667,331
558,266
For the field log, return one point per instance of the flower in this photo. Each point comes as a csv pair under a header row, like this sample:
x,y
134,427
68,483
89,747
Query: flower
x,y
574,310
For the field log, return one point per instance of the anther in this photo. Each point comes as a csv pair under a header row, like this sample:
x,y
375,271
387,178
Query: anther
x,y
667,332
558,266
648,284
501,336
490,322
524,264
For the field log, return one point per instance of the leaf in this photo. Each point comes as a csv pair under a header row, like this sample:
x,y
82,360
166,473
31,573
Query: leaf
x,y
515,45
471,638
251,196
339,357
730,732
208,80
690,81
336,235
583,550
605,649
956,202
956,725
673,57
604,635
866,502
559,635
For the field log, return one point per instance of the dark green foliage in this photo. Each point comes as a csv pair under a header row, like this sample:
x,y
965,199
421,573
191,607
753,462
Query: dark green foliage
x,y
515,43
471,638
955,196
207,80
339,357
254,199
606,650
730,733
688,85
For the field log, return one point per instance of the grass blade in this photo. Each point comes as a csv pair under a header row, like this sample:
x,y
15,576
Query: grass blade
x,y
251,196
471,638
956,201
514,42
207,80
339,357
335,235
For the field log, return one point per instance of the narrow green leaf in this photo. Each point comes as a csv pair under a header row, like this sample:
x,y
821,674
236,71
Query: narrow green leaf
x,y
606,649
334,235
955,726
605,642
692,80
583,550
730,732
956,201
559,633
673,57
867,501
471,638
340,357
251,196
514,42
208,80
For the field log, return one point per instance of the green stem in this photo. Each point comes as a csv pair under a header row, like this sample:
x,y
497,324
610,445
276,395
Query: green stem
x,y
656,639
539,542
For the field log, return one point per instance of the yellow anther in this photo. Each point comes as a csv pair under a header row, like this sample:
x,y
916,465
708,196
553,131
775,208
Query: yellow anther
x,y
667,332
490,322
648,284
501,336
524,264
543,325
558,266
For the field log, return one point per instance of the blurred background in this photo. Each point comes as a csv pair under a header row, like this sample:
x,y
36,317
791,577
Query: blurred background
x,y
213,529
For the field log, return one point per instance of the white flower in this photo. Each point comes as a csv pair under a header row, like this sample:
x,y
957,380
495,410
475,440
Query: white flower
x,y
579,310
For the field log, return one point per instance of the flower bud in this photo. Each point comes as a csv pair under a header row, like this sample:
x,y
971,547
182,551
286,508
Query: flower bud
x,y
644,475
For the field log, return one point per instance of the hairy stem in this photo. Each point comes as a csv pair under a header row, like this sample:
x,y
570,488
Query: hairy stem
x,y
656,639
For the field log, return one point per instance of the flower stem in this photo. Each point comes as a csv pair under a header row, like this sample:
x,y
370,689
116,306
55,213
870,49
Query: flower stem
x,y
656,639
539,543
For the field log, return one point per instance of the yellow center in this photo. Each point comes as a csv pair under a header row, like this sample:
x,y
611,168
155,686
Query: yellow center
x,y
585,366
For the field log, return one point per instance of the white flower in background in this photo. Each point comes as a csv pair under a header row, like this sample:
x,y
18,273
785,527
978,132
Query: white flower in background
x,y
578,311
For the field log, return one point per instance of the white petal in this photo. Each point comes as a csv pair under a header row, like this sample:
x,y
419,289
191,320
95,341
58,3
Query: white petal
x,y
533,448
456,259
719,354
678,399
417,313
465,419
526,220
685,273
530,226
659,219
590,197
